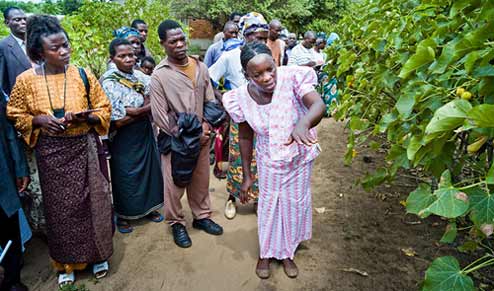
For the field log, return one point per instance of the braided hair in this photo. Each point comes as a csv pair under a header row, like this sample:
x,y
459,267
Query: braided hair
x,y
252,49
39,26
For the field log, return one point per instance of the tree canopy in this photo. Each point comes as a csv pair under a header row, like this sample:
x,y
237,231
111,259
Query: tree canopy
x,y
296,15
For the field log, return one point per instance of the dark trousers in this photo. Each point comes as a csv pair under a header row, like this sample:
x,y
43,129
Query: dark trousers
x,y
9,230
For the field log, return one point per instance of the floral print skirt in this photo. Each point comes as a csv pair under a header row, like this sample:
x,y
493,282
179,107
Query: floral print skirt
x,y
235,173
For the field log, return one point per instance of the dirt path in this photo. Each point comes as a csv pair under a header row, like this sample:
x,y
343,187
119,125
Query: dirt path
x,y
359,230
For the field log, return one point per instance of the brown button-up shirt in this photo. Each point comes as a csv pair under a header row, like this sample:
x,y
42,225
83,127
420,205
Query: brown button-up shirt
x,y
172,92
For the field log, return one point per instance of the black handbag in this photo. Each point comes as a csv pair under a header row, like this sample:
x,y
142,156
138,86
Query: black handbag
x,y
214,113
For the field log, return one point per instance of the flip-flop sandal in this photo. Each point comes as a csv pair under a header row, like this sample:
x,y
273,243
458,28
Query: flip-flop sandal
x,y
100,270
66,279
155,216
124,227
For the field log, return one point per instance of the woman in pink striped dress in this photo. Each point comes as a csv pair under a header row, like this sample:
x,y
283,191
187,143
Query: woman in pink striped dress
x,y
281,106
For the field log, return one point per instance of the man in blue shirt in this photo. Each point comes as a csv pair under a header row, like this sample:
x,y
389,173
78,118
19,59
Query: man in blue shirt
x,y
230,30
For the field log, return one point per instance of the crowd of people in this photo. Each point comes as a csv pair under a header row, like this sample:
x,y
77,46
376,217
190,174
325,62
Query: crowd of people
x,y
95,155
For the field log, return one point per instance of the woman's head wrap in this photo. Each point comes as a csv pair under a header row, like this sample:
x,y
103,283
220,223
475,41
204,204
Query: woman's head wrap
x,y
125,32
253,22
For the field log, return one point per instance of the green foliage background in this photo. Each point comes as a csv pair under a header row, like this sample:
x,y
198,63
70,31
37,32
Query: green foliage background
x,y
296,15
90,28
405,65
90,25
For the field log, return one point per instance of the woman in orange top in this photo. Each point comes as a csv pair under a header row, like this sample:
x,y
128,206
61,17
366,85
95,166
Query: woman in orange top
x,y
49,107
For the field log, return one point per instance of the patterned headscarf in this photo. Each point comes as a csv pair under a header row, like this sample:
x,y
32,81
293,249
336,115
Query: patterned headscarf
x,y
252,22
125,32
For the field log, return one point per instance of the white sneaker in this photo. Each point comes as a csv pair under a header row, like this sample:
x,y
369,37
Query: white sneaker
x,y
230,209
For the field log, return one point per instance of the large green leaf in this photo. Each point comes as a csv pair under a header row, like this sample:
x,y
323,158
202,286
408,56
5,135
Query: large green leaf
x,y
447,55
414,146
444,274
484,71
449,117
482,115
470,60
450,203
482,206
420,199
458,6
424,55
405,104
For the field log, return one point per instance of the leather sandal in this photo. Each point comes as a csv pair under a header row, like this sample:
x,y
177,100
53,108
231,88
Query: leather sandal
x,y
261,271
291,270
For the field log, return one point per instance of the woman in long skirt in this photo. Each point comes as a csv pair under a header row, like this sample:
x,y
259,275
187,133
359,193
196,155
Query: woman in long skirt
x,y
281,106
137,182
50,107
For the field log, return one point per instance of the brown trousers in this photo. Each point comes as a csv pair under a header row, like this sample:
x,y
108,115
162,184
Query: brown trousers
x,y
197,190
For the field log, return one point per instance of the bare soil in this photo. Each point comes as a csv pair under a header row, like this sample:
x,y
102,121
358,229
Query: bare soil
x,y
361,241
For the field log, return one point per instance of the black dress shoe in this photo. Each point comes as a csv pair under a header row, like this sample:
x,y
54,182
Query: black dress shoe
x,y
180,236
208,226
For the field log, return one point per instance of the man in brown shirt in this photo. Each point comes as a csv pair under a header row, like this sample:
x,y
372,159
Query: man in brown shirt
x,y
179,84
276,45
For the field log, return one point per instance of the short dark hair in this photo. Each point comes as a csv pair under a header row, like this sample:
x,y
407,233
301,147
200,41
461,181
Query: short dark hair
x,y
39,26
165,26
235,13
252,49
149,60
136,22
229,24
9,9
116,43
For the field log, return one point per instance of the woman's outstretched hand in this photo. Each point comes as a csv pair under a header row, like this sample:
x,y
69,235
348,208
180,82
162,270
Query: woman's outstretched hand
x,y
301,134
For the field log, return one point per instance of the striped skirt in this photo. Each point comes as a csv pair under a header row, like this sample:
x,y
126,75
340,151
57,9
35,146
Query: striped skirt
x,y
285,207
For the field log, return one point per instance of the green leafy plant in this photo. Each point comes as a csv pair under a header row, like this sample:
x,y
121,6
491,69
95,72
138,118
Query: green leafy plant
x,y
90,29
296,15
420,73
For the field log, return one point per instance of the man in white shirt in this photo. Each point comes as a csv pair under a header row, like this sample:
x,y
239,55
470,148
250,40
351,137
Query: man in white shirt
x,y
228,66
302,54
13,58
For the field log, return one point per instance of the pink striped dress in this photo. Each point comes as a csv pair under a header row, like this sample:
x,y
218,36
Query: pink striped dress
x,y
285,202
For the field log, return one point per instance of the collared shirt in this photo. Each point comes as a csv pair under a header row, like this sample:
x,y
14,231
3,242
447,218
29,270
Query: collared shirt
x,y
229,67
172,92
21,43
301,55
213,53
